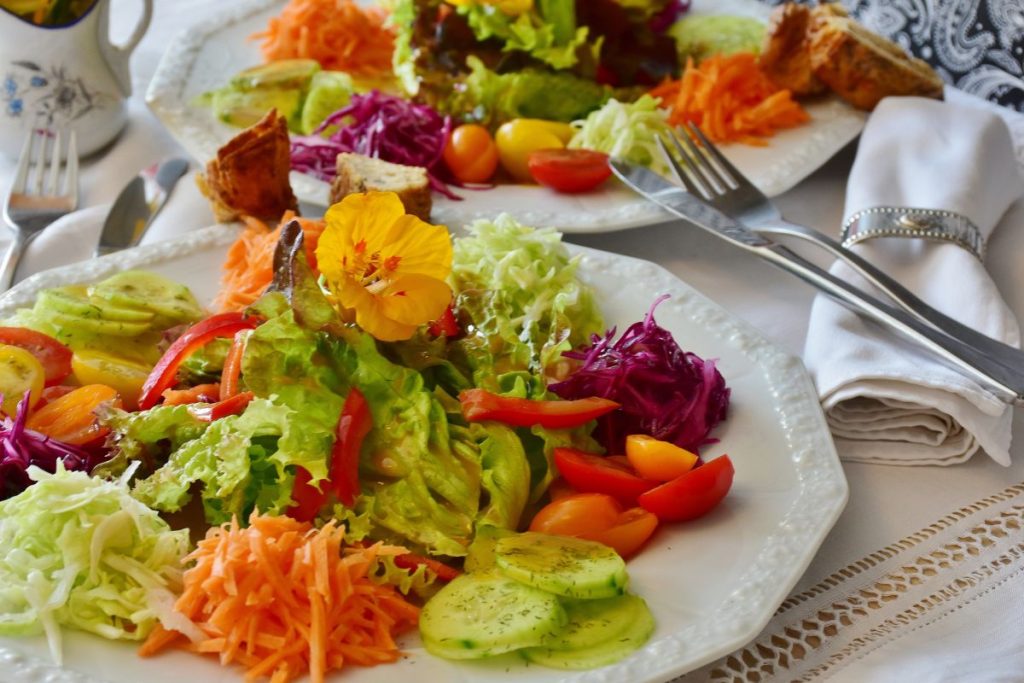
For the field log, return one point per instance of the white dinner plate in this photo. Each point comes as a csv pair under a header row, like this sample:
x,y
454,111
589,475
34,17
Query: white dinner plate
x,y
207,55
712,584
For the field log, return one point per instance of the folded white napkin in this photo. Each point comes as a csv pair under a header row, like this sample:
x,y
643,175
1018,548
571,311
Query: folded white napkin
x,y
885,399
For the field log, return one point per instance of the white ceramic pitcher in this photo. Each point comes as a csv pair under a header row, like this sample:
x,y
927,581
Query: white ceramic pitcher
x,y
68,76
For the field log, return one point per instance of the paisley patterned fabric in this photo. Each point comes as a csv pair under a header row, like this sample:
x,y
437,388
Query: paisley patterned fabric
x,y
975,45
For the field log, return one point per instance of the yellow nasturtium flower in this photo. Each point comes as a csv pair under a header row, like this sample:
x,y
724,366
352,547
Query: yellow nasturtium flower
x,y
385,266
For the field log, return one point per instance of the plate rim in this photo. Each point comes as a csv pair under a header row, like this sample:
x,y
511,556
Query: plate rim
x,y
165,98
760,589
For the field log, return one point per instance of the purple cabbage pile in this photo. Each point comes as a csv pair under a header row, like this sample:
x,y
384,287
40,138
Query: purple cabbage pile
x,y
380,126
21,447
666,392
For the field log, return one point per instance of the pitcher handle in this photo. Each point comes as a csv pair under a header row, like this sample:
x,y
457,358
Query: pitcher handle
x,y
118,55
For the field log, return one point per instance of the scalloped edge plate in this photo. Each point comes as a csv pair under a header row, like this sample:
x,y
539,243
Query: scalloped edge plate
x,y
200,59
713,584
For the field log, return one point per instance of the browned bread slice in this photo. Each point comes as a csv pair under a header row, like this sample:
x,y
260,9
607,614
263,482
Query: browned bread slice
x,y
863,67
249,175
358,173
785,55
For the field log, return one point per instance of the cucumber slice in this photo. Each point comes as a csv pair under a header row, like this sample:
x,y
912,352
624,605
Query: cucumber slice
x,y
479,615
592,622
570,567
151,292
602,653
480,556
74,300
329,91
76,323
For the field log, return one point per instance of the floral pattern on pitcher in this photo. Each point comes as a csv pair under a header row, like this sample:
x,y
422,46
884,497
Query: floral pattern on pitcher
x,y
51,94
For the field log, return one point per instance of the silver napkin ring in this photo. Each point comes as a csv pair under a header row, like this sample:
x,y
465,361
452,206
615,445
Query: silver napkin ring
x,y
929,224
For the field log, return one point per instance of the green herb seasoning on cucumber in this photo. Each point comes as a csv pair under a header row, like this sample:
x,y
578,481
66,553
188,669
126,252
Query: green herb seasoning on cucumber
x,y
559,601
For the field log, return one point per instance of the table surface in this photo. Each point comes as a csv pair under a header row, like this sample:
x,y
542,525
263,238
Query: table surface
x,y
889,506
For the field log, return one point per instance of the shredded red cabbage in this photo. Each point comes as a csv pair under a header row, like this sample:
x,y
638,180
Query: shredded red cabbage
x,y
661,21
21,447
380,126
666,392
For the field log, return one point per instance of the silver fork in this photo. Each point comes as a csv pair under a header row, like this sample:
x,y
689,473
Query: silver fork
x,y
709,175
38,197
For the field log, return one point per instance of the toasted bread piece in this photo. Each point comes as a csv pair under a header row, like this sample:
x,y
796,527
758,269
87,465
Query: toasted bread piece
x,y
785,56
359,173
863,67
249,175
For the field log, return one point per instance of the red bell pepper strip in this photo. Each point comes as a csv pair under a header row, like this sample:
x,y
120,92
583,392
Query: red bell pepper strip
x,y
446,324
229,406
599,474
232,366
479,405
194,338
411,561
354,424
200,393
308,499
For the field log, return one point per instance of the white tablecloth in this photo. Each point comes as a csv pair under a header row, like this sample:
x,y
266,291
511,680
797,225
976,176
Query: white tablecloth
x,y
897,518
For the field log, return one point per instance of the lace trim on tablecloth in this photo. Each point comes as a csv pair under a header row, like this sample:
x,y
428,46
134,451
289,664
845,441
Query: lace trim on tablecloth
x,y
873,601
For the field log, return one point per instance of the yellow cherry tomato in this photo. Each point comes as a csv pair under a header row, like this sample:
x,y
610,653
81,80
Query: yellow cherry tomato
x,y
658,460
124,376
20,371
518,137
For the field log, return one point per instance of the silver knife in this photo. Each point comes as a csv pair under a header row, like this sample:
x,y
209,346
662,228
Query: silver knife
x,y
137,205
1005,380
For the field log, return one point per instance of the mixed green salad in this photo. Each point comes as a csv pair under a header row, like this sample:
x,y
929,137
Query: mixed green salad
x,y
494,462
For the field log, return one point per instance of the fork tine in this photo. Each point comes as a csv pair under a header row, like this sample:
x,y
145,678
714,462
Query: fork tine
x,y
693,165
71,173
706,167
724,164
24,162
55,164
39,162
678,169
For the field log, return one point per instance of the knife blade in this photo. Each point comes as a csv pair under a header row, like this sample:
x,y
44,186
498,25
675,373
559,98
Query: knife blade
x,y
137,205
682,204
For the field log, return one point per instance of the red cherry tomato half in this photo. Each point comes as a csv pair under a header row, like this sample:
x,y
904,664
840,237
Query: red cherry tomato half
x,y
471,154
569,170
595,474
51,354
692,495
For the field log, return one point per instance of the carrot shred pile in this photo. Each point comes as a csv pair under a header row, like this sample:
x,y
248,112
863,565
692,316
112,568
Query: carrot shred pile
x,y
731,100
249,265
337,33
284,599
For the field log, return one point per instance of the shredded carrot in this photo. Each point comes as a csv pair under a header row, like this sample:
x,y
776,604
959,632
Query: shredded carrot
x,y
339,34
249,265
282,598
731,100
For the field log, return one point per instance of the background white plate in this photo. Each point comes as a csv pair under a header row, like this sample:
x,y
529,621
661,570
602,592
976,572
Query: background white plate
x,y
205,57
713,584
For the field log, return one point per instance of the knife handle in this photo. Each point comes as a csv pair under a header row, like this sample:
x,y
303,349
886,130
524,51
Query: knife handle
x,y
997,374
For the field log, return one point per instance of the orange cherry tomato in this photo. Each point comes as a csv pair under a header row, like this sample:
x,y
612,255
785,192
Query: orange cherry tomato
x,y
597,517
72,417
630,531
559,489
577,515
656,459
471,154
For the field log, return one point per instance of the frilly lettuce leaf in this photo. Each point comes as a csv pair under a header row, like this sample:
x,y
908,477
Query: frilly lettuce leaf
x,y
80,551
519,287
526,32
